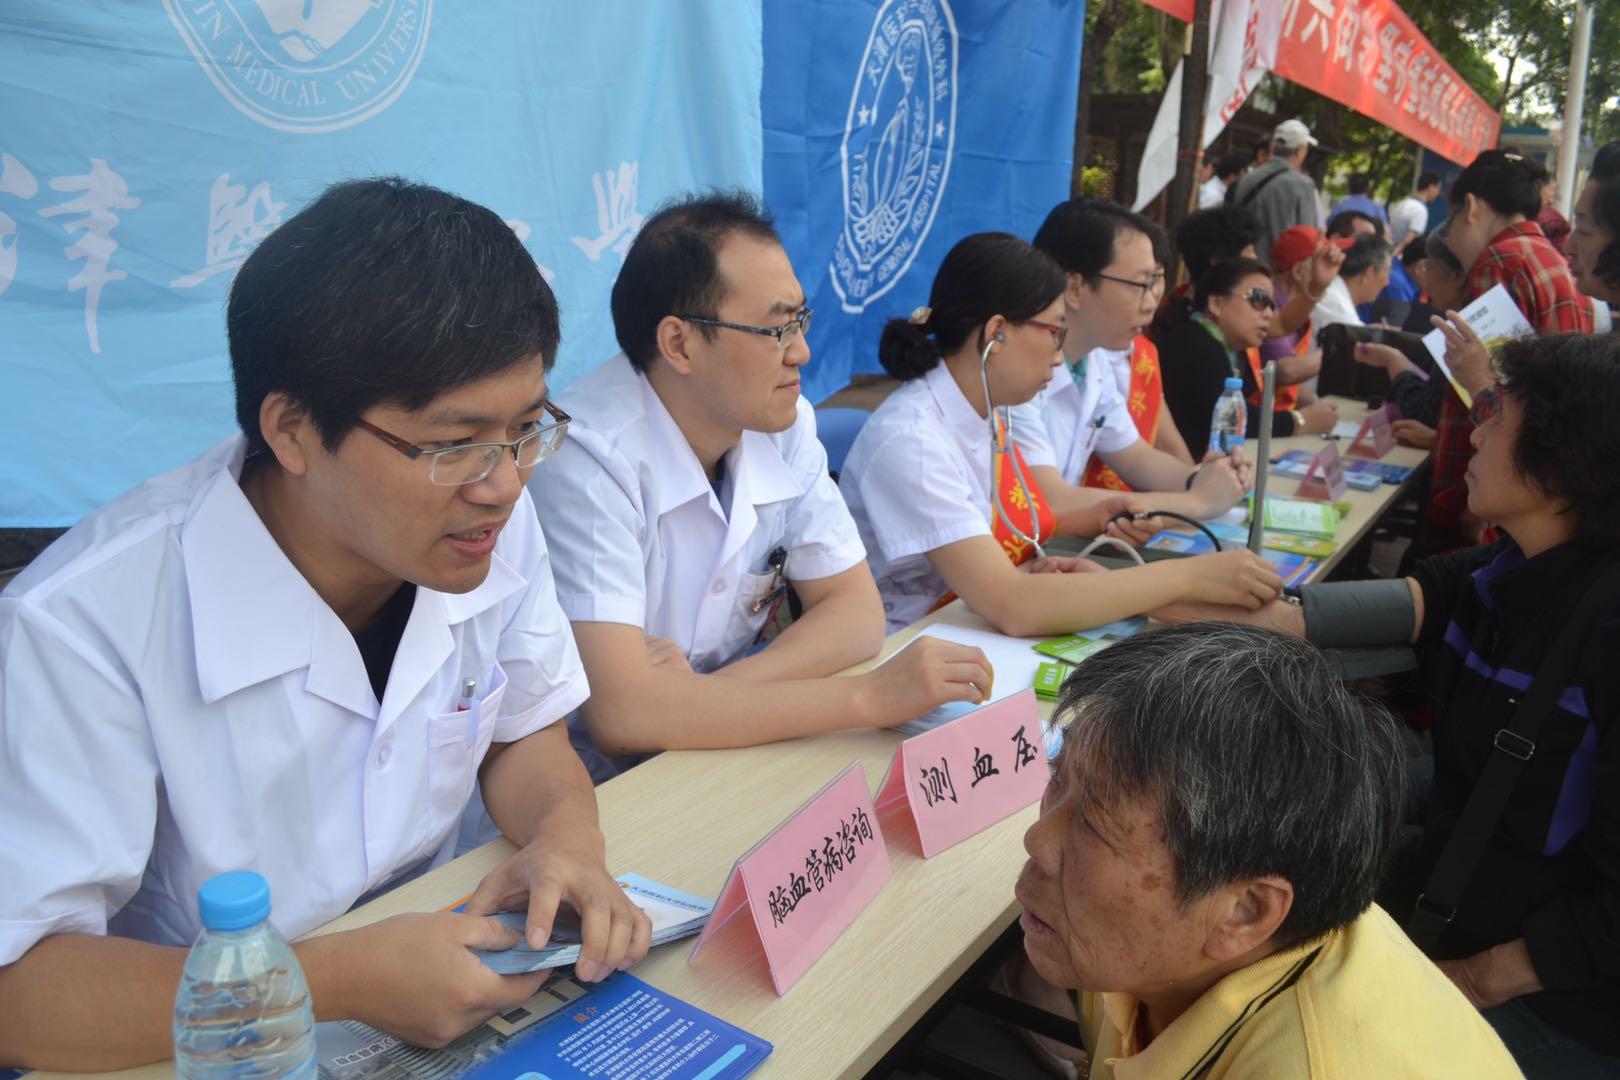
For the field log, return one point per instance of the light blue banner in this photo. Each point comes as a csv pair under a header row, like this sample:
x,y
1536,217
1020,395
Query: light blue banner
x,y
893,128
146,147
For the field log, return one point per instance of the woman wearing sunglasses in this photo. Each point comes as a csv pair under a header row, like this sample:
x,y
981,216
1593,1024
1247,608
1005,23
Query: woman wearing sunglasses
x,y
1533,935
954,493
1232,309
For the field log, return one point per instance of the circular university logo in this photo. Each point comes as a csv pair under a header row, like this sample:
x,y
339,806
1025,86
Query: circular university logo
x,y
306,65
897,147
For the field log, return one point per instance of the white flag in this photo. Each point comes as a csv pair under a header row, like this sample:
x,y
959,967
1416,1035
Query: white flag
x,y
1242,48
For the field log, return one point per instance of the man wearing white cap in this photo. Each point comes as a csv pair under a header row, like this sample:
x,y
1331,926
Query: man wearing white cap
x,y
1279,193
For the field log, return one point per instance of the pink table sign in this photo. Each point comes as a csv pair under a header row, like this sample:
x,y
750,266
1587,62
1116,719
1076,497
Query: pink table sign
x,y
1375,439
807,880
1325,478
970,773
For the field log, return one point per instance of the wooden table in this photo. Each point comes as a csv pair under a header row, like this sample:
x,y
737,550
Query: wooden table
x,y
685,816
1366,507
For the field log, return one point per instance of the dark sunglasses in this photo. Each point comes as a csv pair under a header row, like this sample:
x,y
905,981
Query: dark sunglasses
x,y
1259,299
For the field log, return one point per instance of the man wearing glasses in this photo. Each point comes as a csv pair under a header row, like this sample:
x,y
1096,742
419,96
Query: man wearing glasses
x,y
300,652
693,491
1115,281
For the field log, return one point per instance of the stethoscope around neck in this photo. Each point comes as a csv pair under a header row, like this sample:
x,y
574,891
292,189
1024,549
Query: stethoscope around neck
x,y
1017,465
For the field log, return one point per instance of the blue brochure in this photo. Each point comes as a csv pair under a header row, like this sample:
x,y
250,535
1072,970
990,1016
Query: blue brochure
x,y
624,1028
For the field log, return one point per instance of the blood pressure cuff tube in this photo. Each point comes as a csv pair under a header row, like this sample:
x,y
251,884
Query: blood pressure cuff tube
x,y
1352,614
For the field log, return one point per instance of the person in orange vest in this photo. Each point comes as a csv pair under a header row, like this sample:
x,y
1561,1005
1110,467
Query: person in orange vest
x,y
949,486
1113,277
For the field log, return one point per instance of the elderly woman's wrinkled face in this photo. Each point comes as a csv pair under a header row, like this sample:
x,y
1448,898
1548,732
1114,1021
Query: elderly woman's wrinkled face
x,y
1099,896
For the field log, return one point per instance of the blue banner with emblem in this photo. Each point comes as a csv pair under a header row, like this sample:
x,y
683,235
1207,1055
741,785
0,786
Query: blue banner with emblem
x,y
147,147
893,128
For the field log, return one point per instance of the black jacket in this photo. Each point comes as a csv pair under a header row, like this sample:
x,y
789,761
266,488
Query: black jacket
x,y
1195,367
1552,871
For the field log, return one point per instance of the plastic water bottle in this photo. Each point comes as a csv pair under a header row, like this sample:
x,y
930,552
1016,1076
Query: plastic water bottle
x,y
1231,416
243,1009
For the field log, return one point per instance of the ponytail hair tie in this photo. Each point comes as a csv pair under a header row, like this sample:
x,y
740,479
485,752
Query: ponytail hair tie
x,y
920,316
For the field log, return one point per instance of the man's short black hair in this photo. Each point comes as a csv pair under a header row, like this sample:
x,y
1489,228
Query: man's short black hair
x,y
1081,234
1214,235
1262,147
1427,180
673,268
1360,183
1568,390
1508,182
1343,224
1229,166
382,291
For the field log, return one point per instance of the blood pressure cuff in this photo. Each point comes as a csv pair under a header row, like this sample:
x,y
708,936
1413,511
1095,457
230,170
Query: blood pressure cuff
x,y
1354,614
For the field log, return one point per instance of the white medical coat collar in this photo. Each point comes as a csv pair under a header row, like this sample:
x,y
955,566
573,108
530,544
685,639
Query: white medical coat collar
x,y
255,617
757,472
971,430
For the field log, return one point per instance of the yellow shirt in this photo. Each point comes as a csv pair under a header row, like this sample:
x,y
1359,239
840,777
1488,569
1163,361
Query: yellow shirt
x,y
1357,1003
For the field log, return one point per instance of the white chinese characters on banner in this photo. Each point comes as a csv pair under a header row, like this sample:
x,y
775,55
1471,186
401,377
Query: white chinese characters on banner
x,y
616,213
237,220
17,181
102,192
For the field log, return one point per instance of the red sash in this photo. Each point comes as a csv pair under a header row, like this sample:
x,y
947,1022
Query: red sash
x,y
1032,515
1144,402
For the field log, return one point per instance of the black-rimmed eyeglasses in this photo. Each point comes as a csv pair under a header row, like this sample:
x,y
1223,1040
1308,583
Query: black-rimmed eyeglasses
x,y
799,324
468,463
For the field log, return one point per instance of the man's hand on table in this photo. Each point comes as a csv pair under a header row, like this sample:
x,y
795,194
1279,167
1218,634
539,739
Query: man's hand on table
x,y
414,976
925,674
554,869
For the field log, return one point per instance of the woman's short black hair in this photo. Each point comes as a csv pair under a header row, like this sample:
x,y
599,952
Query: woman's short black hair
x,y
1567,388
1507,182
1223,277
1213,235
984,275
673,267
382,291
1606,210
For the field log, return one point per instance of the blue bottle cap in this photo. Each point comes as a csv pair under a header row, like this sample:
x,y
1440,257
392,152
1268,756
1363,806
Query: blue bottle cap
x,y
1234,383
234,900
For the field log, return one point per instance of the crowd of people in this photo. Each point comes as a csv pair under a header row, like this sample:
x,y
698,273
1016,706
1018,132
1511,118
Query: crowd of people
x,y
421,601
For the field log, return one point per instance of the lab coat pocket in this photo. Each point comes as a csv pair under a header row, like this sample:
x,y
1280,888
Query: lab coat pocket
x,y
456,744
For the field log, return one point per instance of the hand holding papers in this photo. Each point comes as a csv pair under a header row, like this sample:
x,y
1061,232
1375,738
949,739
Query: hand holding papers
x,y
674,915
1491,319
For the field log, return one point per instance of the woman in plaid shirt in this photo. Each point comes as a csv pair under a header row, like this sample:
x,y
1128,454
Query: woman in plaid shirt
x,y
1492,229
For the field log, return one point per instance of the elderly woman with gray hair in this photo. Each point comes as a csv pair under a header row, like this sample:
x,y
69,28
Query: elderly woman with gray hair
x,y
1204,864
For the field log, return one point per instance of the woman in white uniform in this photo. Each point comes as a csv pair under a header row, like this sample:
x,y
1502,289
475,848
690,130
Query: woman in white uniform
x,y
918,478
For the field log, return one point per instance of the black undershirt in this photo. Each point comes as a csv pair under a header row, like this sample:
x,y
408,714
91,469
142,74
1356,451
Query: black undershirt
x,y
379,641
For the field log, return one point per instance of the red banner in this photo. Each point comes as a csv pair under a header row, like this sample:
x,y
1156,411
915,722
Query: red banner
x,y
1368,55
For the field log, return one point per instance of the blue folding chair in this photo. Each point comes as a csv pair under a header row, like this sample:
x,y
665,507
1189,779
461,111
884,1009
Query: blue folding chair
x,y
837,429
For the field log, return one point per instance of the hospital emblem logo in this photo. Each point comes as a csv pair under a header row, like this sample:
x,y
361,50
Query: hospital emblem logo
x,y
306,65
897,146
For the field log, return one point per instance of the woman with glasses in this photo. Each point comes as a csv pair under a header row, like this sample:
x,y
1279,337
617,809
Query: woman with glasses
x,y
945,483
1528,926
1232,308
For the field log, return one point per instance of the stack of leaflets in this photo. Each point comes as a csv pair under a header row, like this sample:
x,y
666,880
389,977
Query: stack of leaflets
x,y
674,915
1308,517
1360,473
1049,680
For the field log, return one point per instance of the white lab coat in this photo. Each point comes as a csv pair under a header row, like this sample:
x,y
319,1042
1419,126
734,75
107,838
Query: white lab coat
x,y
918,478
639,536
1079,420
177,701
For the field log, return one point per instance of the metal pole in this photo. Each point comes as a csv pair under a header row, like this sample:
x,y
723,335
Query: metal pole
x,y
1574,104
